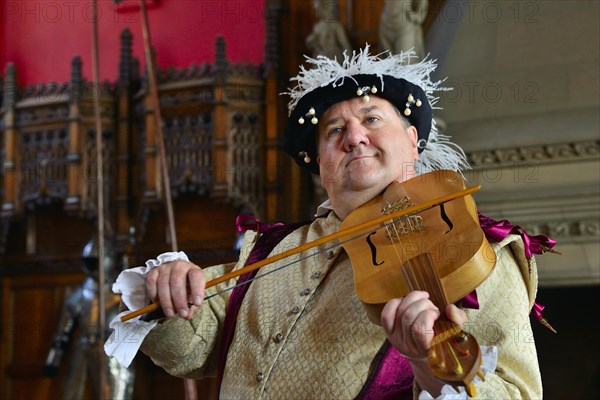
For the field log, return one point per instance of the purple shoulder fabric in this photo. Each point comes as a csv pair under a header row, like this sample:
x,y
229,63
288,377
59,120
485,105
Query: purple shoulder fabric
x,y
391,378
496,231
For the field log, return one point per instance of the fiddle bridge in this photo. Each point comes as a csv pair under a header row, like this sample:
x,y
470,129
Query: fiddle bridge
x,y
403,226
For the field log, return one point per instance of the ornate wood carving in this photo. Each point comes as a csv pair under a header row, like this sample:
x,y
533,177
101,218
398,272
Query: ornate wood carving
x,y
566,230
246,183
214,132
188,141
43,165
44,143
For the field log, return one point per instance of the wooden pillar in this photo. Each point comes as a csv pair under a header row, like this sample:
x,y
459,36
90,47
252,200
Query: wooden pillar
x,y
75,169
271,148
222,176
11,162
152,189
123,142
273,126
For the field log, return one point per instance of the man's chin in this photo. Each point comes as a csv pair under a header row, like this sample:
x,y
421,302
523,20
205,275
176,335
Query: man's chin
x,y
359,183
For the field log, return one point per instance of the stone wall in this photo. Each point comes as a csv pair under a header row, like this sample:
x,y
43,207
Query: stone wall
x,y
525,107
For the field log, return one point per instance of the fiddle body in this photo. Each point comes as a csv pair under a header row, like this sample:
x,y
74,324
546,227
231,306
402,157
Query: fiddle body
x,y
442,250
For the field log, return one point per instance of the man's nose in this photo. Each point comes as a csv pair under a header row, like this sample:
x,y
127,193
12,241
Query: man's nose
x,y
356,134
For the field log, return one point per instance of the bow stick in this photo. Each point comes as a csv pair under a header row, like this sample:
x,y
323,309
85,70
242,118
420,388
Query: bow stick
x,y
341,233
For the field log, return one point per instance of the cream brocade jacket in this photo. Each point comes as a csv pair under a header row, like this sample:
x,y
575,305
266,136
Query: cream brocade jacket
x,y
302,333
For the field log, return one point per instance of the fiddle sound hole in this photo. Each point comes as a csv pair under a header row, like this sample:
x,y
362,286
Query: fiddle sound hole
x,y
446,218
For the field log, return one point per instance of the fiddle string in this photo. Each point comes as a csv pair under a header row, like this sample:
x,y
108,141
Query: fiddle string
x,y
336,244
422,270
408,267
247,282
412,282
410,271
322,248
396,235
433,282
428,276
419,274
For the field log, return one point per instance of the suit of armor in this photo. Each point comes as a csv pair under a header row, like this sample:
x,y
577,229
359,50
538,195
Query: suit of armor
x,y
80,313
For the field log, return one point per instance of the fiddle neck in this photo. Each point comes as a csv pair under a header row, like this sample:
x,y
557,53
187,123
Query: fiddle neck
x,y
420,274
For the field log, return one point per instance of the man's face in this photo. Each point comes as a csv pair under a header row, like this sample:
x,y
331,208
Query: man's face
x,y
364,146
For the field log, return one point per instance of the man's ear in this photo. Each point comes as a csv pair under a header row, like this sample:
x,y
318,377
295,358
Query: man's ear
x,y
319,164
413,135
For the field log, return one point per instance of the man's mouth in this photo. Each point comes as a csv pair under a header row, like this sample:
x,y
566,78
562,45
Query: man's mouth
x,y
358,158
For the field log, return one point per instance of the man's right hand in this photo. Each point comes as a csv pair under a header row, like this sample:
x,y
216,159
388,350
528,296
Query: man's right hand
x,y
176,285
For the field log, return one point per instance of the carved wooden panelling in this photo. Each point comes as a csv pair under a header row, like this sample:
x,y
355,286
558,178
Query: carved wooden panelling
x,y
91,172
246,163
188,144
43,165
46,151
214,127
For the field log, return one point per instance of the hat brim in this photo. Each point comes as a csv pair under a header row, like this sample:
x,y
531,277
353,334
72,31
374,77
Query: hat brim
x,y
300,140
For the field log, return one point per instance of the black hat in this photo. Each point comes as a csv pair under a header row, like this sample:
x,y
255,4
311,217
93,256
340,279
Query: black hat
x,y
405,85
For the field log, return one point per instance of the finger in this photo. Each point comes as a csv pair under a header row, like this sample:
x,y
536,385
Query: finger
x,y
388,315
164,291
411,298
197,285
393,318
179,289
192,311
151,285
422,329
418,306
417,324
456,315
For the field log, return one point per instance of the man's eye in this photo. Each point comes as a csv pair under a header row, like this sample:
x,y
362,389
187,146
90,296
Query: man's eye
x,y
371,120
335,131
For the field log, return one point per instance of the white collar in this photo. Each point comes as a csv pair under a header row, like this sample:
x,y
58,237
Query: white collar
x,y
324,208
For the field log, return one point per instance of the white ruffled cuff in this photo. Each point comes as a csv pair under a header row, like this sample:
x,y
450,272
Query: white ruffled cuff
x,y
489,360
127,337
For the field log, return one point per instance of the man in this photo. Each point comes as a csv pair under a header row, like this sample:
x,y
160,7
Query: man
x,y
301,332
